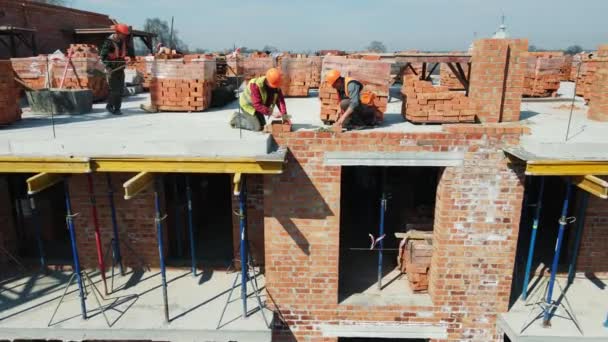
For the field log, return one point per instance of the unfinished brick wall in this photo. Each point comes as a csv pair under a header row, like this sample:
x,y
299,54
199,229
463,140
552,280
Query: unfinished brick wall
x,y
9,95
182,85
255,220
53,24
135,219
593,255
544,72
373,74
497,78
425,103
476,228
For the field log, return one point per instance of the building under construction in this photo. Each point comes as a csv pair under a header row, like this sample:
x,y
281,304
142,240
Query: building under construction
x,y
469,214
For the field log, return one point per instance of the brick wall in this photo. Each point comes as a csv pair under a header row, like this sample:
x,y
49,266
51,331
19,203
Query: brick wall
x,y
497,78
9,95
593,254
476,228
255,220
135,219
53,24
598,89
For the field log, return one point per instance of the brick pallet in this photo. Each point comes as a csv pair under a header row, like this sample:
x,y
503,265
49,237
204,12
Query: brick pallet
x,y
415,260
425,103
179,85
9,95
84,73
544,72
374,75
299,75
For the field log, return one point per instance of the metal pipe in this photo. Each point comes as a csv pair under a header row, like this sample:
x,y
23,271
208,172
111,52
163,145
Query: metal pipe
x,y
383,201
70,221
190,225
115,240
580,225
243,246
38,228
159,235
178,224
100,261
563,221
537,211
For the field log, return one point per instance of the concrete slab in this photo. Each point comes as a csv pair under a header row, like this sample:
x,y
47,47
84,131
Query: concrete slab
x,y
589,301
135,309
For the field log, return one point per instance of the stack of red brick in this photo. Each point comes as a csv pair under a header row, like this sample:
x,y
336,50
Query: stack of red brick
x,y
416,262
588,67
249,67
374,75
300,74
544,71
143,65
448,79
82,72
425,103
9,95
179,85
83,51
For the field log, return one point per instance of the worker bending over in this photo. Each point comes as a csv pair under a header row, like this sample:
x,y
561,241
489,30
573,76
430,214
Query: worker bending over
x,y
355,104
258,100
115,53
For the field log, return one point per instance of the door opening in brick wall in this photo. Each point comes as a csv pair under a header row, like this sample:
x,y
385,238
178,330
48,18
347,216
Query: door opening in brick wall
x,y
546,236
211,216
50,205
379,339
410,202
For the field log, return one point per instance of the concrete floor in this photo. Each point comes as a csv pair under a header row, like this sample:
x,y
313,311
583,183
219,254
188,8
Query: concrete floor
x,y
135,309
589,301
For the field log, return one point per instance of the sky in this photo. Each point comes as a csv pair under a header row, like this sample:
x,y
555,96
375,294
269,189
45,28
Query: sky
x,y
310,25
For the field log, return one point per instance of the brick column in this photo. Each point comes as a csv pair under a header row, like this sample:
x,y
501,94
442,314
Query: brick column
x,y
593,255
9,95
497,78
135,218
598,98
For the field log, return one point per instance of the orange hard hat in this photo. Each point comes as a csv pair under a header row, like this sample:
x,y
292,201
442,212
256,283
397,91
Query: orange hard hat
x,y
332,76
273,77
121,28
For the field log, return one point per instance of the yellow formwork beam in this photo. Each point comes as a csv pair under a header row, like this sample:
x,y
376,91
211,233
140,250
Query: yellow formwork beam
x,y
592,184
187,165
137,184
48,165
237,184
42,181
567,168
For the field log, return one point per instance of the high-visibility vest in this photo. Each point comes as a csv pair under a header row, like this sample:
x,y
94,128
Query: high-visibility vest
x,y
245,98
119,52
366,97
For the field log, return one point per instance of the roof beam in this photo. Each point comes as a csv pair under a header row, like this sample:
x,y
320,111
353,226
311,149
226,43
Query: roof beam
x,y
42,181
188,165
567,168
592,184
50,165
137,184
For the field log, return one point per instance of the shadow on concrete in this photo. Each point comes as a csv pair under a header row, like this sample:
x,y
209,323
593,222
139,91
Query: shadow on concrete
x,y
527,114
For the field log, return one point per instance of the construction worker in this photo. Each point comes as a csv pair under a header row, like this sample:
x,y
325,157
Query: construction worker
x,y
355,104
115,53
258,100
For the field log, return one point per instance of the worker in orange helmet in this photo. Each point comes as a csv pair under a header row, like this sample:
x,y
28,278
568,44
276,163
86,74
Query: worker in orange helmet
x,y
356,105
115,53
258,100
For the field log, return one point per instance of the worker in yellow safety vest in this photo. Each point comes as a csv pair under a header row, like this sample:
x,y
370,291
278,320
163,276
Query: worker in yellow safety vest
x,y
258,101
356,105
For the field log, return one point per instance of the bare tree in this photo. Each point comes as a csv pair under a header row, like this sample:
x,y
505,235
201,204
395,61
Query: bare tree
x,y
573,50
270,48
163,34
376,46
